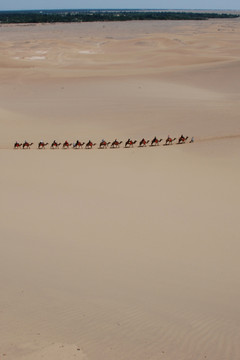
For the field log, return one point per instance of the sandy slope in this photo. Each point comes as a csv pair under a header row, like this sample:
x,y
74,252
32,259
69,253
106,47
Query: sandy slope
x,y
129,253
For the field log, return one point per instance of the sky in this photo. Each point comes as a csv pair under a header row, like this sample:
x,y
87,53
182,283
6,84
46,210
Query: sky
x,y
119,4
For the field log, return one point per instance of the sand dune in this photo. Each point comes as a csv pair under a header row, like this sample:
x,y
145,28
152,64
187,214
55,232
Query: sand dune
x,y
125,253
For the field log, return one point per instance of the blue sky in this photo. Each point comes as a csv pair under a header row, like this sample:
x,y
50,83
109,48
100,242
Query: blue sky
x,y
86,4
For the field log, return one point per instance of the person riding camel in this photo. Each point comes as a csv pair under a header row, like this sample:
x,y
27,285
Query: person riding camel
x,y
17,144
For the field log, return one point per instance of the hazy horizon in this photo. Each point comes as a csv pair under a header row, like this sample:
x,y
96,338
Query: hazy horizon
x,y
120,9
123,4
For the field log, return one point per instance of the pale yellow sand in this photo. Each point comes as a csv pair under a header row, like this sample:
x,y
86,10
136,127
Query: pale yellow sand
x,y
127,253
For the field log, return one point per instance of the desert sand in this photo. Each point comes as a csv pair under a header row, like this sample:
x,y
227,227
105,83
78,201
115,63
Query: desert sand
x,y
124,254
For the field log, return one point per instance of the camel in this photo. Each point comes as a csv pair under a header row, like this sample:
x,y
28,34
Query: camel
x,y
66,145
17,145
90,145
116,144
155,141
78,145
143,142
169,141
182,139
55,145
41,145
27,145
103,144
130,143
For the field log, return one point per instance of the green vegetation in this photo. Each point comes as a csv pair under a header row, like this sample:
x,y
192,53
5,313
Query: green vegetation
x,y
66,16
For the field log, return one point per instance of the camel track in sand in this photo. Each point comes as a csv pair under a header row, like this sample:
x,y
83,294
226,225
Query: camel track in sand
x,y
215,138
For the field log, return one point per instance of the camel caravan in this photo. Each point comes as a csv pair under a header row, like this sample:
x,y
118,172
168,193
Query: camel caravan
x,y
104,144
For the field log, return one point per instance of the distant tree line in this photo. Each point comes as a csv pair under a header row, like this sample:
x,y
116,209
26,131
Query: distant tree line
x,y
23,17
